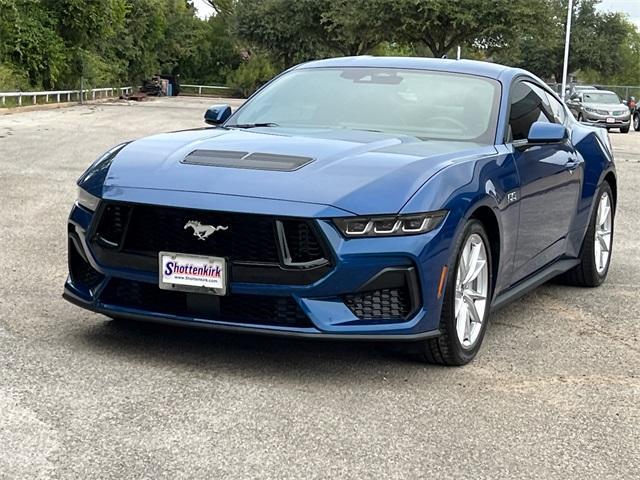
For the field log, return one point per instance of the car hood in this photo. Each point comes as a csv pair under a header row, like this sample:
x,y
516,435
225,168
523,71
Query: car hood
x,y
359,172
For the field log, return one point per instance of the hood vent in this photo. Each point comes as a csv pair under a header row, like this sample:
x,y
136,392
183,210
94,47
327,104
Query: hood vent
x,y
252,161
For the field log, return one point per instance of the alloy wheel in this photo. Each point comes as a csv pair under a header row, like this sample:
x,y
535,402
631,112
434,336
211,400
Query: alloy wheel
x,y
472,290
602,240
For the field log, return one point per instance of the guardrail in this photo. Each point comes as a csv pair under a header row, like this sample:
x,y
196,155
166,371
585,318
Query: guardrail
x,y
200,88
59,95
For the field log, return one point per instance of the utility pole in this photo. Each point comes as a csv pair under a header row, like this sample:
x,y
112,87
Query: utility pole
x,y
567,41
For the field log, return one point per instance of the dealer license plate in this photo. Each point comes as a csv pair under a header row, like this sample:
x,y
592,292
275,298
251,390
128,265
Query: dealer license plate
x,y
193,273
611,120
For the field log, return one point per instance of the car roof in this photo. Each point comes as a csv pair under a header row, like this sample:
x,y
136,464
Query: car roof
x,y
473,67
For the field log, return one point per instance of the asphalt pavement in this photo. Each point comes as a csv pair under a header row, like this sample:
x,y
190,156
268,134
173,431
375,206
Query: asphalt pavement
x,y
554,392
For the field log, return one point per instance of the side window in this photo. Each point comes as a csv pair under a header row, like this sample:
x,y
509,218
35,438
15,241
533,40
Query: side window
x,y
527,107
557,108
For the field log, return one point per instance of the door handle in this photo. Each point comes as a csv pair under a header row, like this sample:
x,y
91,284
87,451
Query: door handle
x,y
572,164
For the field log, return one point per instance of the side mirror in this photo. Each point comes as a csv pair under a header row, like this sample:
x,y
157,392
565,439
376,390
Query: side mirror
x,y
217,114
543,132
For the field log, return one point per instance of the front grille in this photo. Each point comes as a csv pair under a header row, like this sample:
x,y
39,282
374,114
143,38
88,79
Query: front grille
x,y
250,309
82,274
248,238
383,304
260,248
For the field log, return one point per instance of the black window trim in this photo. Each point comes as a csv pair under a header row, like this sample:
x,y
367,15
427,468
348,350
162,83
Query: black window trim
x,y
526,79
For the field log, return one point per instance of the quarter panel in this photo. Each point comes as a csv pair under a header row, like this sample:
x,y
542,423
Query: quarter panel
x,y
592,144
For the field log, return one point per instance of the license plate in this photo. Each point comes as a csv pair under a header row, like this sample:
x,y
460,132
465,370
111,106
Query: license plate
x,y
611,120
193,273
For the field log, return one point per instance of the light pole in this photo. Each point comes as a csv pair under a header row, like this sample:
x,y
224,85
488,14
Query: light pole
x,y
567,40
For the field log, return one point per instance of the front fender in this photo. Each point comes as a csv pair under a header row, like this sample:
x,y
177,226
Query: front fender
x,y
467,186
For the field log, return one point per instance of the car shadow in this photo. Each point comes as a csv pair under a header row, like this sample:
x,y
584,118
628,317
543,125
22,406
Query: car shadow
x,y
208,350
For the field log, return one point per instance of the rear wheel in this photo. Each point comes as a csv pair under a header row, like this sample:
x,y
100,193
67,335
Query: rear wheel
x,y
595,255
465,307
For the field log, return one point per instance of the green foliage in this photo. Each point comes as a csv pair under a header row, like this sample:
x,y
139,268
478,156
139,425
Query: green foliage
x,y
600,42
442,25
11,80
217,53
251,75
288,29
53,43
29,41
356,27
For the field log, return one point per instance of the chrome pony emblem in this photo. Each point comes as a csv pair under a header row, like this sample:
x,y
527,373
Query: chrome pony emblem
x,y
203,231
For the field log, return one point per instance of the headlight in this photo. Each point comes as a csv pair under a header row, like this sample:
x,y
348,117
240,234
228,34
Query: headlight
x,y
590,110
413,224
86,200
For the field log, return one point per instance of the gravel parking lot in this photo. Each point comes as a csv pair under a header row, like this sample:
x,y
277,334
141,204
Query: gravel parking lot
x,y
554,393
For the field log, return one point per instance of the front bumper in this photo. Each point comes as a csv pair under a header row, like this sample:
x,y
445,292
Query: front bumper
x,y
604,120
321,304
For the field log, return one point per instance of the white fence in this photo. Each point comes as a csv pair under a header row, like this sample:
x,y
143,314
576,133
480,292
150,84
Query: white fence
x,y
200,88
66,95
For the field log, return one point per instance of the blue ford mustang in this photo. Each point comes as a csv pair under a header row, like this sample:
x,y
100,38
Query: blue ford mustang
x,y
351,198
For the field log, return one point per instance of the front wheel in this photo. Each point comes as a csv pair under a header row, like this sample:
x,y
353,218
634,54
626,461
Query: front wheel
x,y
624,129
636,122
465,308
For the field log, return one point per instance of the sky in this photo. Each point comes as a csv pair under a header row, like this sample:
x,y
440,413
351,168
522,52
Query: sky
x,y
630,7
205,10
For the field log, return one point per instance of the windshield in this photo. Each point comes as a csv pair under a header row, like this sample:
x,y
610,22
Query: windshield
x,y
600,97
424,104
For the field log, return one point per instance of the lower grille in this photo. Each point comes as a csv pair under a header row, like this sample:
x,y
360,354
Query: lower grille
x,y
251,309
383,304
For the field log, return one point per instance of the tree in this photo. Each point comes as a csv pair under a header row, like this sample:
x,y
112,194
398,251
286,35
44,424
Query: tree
x,y
216,53
290,30
356,27
598,41
220,6
442,25
29,44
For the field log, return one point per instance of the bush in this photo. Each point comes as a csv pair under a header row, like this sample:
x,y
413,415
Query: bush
x,y
11,80
251,75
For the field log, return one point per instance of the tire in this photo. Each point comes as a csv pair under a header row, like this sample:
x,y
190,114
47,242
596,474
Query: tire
x,y
636,122
580,117
588,273
448,349
625,129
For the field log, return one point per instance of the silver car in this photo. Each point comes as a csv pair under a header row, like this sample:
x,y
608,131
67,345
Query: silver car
x,y
600,108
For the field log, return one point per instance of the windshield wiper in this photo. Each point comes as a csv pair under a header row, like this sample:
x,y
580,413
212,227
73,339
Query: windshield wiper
x,y
253,125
